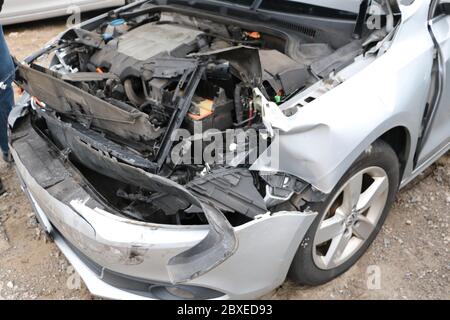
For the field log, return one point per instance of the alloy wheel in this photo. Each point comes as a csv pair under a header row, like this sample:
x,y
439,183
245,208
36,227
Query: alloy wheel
x,y
351,218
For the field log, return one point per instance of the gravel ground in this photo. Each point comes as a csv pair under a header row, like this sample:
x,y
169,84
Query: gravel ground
x,y
411,254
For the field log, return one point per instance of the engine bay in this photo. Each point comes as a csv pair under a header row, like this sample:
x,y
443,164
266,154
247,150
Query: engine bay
x,y
150,67
115,93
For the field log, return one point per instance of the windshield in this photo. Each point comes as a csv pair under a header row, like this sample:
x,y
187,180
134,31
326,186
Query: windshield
x,y
321,8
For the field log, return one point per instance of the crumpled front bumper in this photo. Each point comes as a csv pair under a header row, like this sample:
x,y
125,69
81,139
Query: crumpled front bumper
x,y
124,259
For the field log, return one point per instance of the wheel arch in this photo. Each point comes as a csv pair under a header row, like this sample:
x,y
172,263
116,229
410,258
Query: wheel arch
x,y
399,138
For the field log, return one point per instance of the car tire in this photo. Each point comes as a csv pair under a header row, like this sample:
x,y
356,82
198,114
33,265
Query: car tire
x,y
344,219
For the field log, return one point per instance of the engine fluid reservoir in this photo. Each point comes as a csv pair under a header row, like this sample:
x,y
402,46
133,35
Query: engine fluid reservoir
x,y
116,28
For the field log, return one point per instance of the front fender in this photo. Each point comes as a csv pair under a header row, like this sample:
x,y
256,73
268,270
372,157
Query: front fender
x,y
320,142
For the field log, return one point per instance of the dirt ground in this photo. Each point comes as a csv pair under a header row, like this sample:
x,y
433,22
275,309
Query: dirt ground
x,y
410,259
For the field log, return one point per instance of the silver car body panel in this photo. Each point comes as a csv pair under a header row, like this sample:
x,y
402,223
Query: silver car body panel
x,y
368,102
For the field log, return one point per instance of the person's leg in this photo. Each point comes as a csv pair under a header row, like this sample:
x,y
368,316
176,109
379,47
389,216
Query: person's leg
x,y
6,103
6,92
2,189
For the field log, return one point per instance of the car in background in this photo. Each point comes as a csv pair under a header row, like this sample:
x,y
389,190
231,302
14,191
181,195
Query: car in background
x,y
19,11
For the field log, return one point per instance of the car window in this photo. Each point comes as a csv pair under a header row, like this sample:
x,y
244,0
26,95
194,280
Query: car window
x,y
438,11
296,7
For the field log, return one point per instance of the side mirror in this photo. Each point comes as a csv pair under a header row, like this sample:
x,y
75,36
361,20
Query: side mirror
x,y
445,6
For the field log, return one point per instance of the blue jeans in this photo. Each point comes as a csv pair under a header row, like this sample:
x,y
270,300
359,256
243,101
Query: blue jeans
x,y
6,91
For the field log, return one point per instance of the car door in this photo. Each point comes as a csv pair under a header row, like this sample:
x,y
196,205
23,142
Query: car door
x,y
15,11
436,130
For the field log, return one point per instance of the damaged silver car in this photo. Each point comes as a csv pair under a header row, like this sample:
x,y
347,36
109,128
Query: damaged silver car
x,y
347,102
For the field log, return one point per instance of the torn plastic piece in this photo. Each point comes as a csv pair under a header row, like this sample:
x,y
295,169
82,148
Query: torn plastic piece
x,y
273,116
230,190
